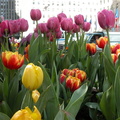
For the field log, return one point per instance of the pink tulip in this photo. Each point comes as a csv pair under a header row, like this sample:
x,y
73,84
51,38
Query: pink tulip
x,y
42,27
58,34
61,16
14,26
86,26
35,14
67,24
5,26
53,23
23,25
106,19
76,28
79,20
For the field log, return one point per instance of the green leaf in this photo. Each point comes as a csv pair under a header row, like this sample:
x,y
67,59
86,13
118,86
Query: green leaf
x,y
118,119
107,104
117,91
4,116
27,100
76,100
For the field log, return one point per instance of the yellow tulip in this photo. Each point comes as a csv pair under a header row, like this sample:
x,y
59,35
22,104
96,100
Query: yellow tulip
x,y
27,114
35,95
32,76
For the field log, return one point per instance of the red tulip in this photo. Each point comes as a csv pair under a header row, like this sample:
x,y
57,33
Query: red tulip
x,y
114,57
101,42
35,14
12,60
106,19
23,25
79,20
115,47
67,24
91,47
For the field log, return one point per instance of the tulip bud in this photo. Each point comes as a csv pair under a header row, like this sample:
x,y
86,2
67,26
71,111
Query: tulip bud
x,y
79,20
23,25
101,42
27,114
53,23
12,60
32,77
67,24
86,26
35,95
91,47
35,14
76,28
106,19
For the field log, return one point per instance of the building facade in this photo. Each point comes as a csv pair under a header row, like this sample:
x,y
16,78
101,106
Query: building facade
x,y
50,8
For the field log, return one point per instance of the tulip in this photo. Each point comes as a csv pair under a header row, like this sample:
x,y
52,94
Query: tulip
x,y
114,57
101,42
106,19
27,114
86,26
4,27
65,71
91,47
32,77
12,60
62,78
79,20
73,83
23,25
115,47
42,27
67,24
118,52
26,52
14,26
35,14
58,34
80,74
35,95
53,23
61,16
76,28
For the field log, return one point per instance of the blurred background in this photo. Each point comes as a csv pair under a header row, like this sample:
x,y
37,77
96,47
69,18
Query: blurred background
x,y
14,9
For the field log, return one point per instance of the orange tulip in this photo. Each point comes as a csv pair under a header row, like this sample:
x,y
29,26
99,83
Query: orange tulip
x,y
91,47
12,60
114,57
73,83
26,52
101,42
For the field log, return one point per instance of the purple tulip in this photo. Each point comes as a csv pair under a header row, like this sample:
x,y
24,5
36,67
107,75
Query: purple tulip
x,y
106,19
61,16
67,24
14,26
53,23
35,14
42,27
23,25
79,20
86,26
76,28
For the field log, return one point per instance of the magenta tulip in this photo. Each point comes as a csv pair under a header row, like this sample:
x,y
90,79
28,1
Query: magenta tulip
x,y
61,16
67,24
4,27
86,26
35,14
106,19
79,20
53,23
14,26
58,34
23,25
42,27
76,28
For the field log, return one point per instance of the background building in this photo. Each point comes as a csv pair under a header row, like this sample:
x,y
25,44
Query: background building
x,y
12,9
